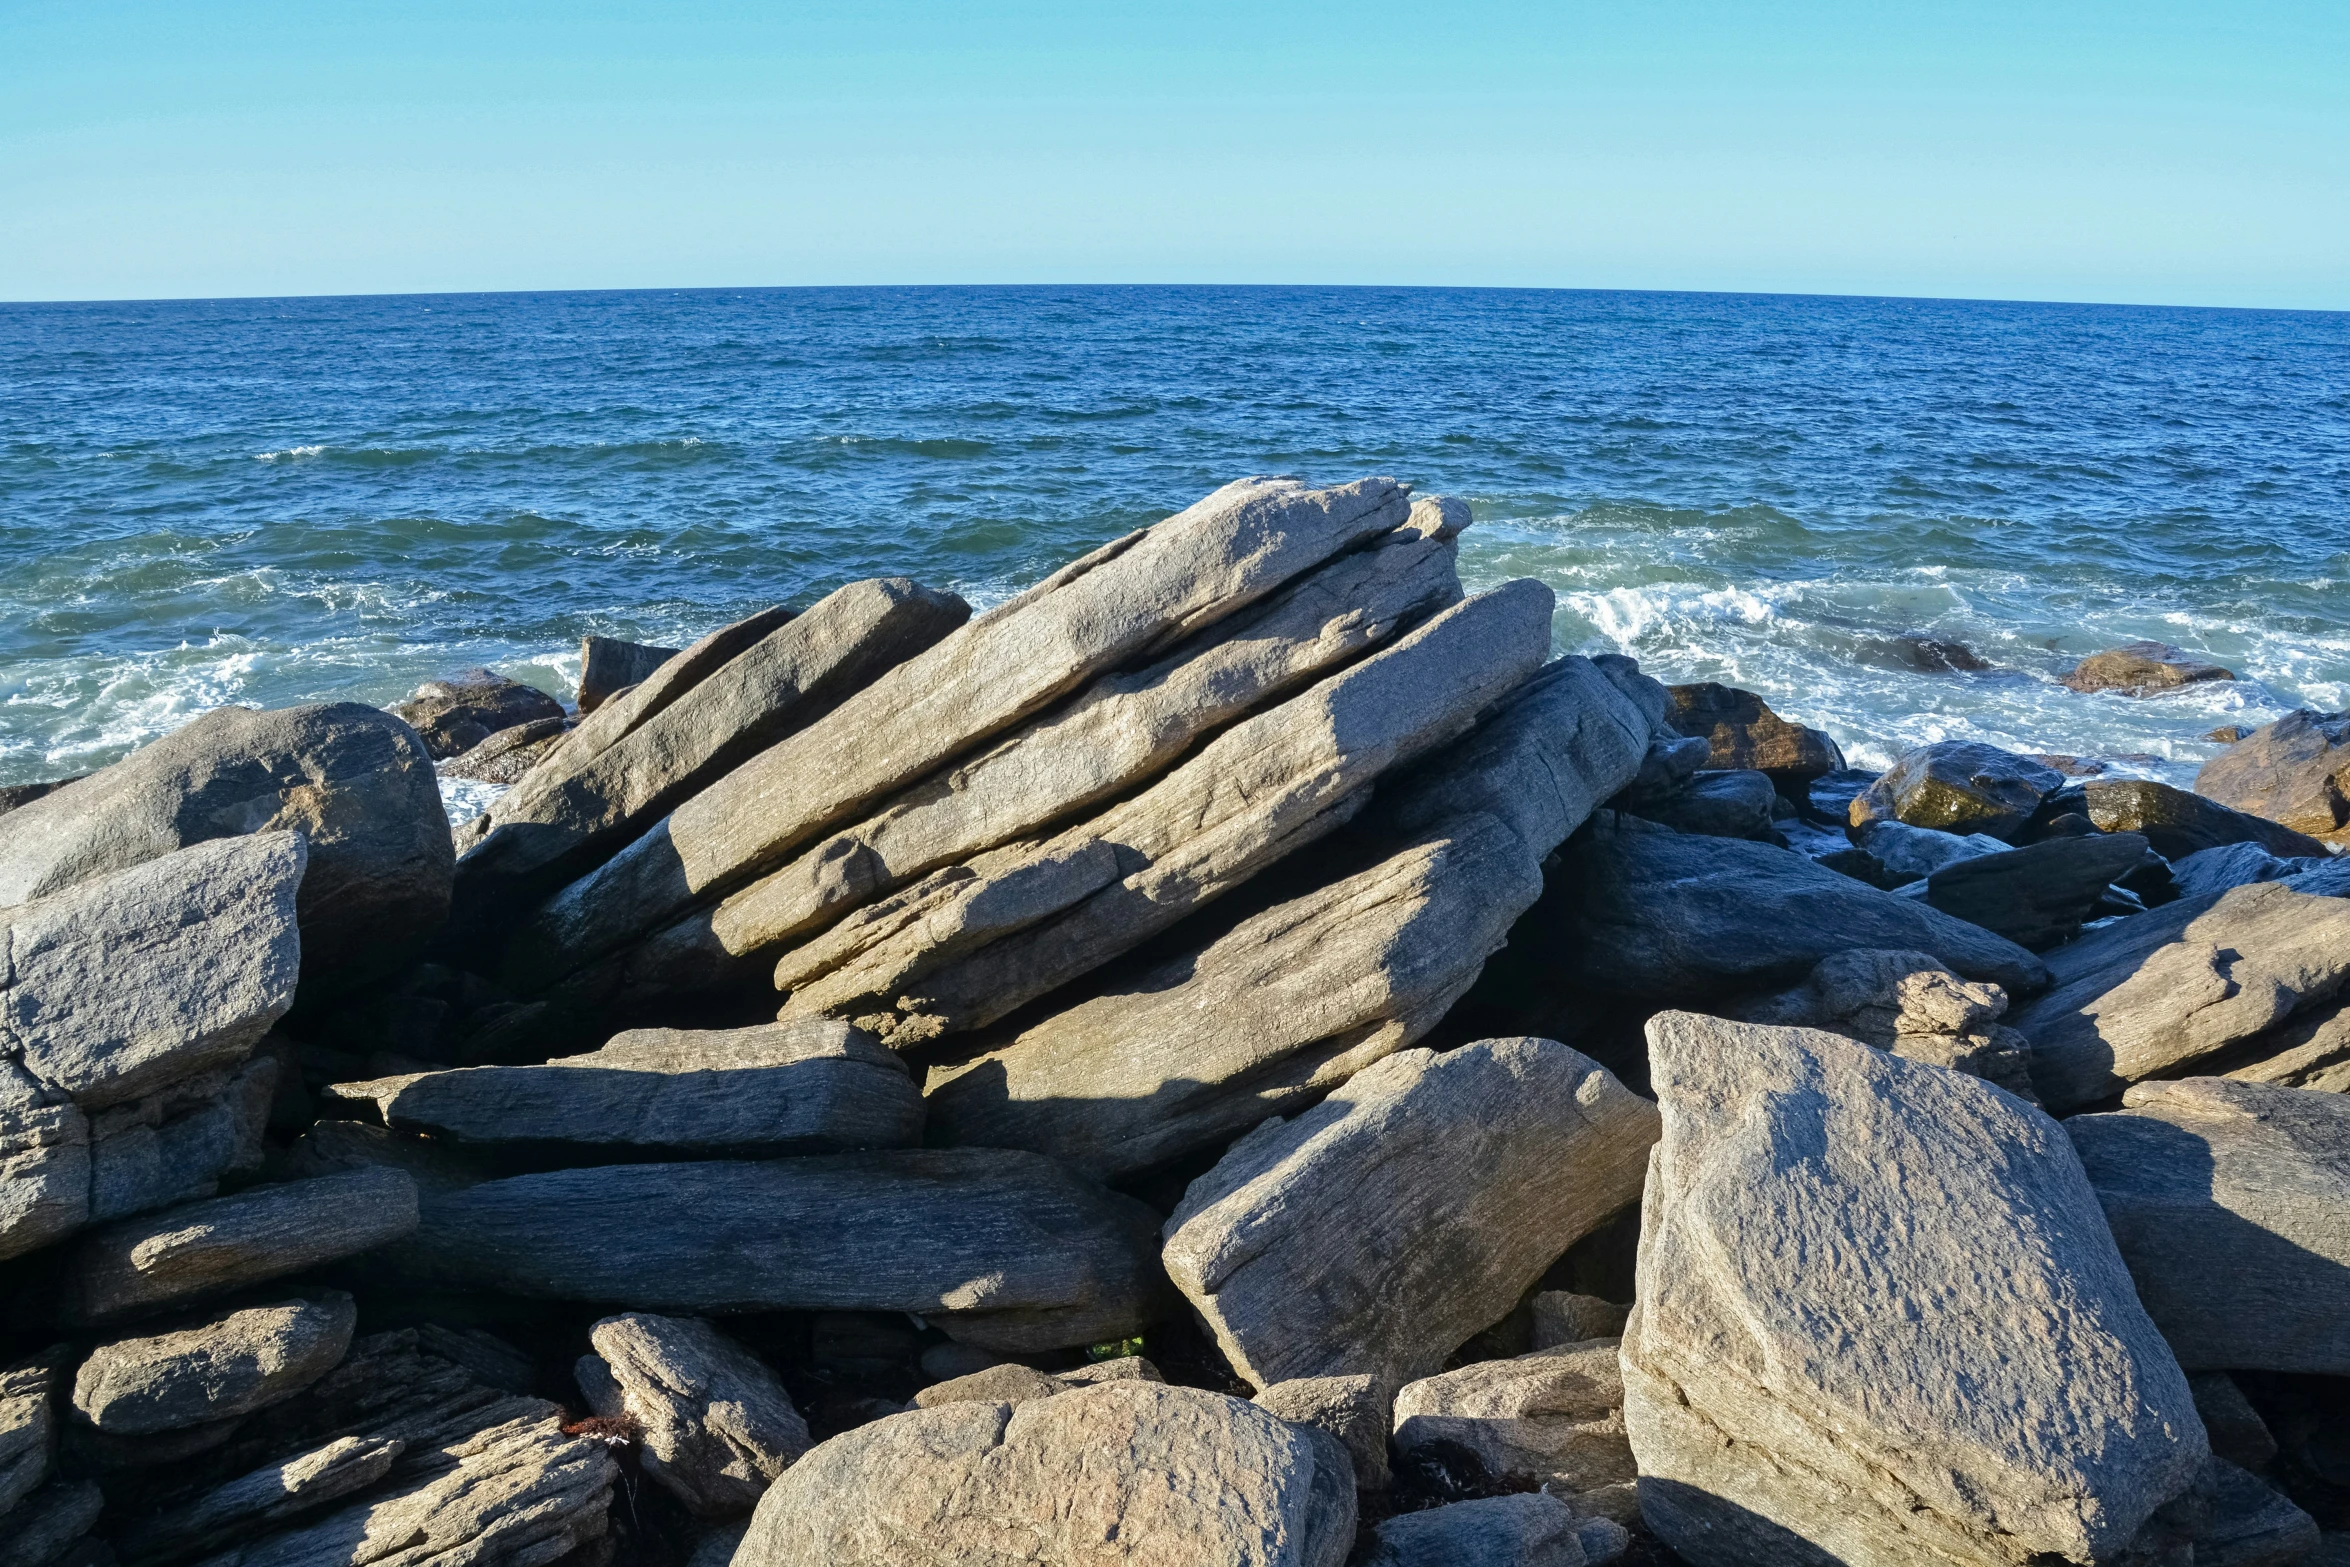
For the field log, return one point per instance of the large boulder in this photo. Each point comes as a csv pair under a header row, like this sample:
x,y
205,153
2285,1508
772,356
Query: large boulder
x,y
1880,1319
1958,786
2178,824
1126,1471
2295,771
1555,1417
2142,669
717,1425
1650,911
1377,1231
228,1366
2231,1204
1744,733
2196,981
355,782
454,714
1002,1249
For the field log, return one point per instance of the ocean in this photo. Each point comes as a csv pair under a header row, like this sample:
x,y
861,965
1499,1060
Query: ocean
x,y
277,501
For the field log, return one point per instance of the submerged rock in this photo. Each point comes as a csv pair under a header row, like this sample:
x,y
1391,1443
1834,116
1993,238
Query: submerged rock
x,y
2295,772
2142,669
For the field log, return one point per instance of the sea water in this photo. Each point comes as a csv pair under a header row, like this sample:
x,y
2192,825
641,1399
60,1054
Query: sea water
x,y
278,501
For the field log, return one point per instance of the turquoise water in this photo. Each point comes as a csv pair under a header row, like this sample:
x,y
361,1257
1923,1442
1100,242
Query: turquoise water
x,y
270,501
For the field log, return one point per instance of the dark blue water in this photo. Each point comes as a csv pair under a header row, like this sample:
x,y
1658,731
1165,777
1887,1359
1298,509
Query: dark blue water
x,y
276,500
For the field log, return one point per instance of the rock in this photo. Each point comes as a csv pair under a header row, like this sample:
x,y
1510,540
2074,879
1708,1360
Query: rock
x,y
2178,823
44,1175
1746,734
1661,913
2311,1050
353,781
332,1147
125,983
454,714
1555,1417
1353,1409
609,666
1913,853
973,943
2251,1524
1881,1320
718,1425
1907,1003
2227,734
2141,669
1929,654
1722,804
253,1502
1355,1238
1958,786
717,1548
2160,992
2231,1204
43,1525
173,1145
803,1087
2235,865
999,1384
508,756
2295,771
2235,1428
1118,1368
2038,895
946,1362
1530,1529
1563,1317
28,1425
231,1242
1001,1249
1126,601
1129,1467
2070,766
229,1366
1671,761
14,795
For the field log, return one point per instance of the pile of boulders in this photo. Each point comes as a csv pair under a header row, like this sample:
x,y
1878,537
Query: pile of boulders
x,y
1234,1055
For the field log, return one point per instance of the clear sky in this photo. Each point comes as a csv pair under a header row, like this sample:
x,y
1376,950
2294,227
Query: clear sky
x,y
2149,151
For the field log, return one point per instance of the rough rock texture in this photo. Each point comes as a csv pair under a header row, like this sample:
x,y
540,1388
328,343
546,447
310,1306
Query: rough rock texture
x,y
1958,786
2141,669
508,756
1563,1317
28,1425
2156,993
259,1500
2251,1524
1907,1003
1555,1416
1531,1529
971,944
353,781
609,666
44,1173
2231,1204
229,1366
455,714
818,1086
2295,771
140,977
718,1425
1353,1409
1377,1231
51,1519
625,711
1668,914
1130,1471
1722,804
14,795
230,1242
1008,1383
1913,853
2240,864
2308,1051
2038,895
1127,600
175,1144
2237,1432
582,806
1003,1249
1745,734
2179,824
1881,1320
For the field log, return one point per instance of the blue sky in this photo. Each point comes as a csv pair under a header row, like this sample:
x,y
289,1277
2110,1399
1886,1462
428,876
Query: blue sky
x,y
2147,152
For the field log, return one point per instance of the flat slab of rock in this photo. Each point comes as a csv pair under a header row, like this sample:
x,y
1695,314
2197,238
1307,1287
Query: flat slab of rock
x,y
2179,824
2158,992
2231,1204
1743,732
44,1175
817,1086
2295,772
1377,1231
1669,914
1555,1417
628,710
718,1425
1004,1249
1103,1473
1881,1319
455,714
2038,895
2142,669
230,1366
2311,1050
1958,786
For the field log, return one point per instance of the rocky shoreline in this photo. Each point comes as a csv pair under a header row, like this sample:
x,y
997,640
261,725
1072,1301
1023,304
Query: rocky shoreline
x,y
1234,1055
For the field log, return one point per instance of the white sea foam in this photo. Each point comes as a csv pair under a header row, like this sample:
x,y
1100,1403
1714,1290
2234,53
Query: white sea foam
x,y
289,453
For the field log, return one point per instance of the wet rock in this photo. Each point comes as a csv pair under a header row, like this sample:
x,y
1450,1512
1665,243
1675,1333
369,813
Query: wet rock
x,y
1437,1188
2231,1204
718,1425
1881,1319
1555,1416
1002,1249
229,1366
609,666
1934,655
1563,1317
1720,804
508,756
1050,1481
2295,771
1355,1410
1913,853
1745,734
28,1424
454,714
1531,1529
1958,786
2038,895
2179,824
1667,914
2227,734
2154,994
2141,669
2070,766
353,781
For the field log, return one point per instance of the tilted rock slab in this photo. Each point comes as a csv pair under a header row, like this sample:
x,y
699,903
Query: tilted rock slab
x,y
353,781
582,806
2295,771
2308,1051
2158,992
976,942
1377,1231
230,1366
611,665
1128,599
1880,1320
2038,895
1669,914
718,1425
819,1086
28,1425
2231,1204
251,1503
603,726
2179,824
1128,1471
1555,1416
1002,1249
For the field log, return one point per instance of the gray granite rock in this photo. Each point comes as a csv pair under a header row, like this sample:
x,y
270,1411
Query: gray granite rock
x,y
2239,864
1555,1417
1531,1529
2235,1428
611,665
29,1397
1563,1317
229,1366
718,1426
253,1503
2295,772
1008,1383
2251,1524
175,1144
44,1175
1913,853
43,1525
1717,804
1354,1409
2309,1050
